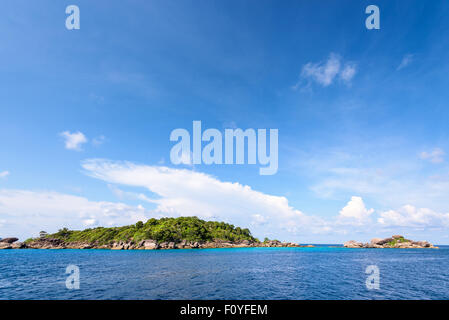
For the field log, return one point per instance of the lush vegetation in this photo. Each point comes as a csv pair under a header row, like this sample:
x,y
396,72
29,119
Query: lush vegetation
x,y
398,240
164,229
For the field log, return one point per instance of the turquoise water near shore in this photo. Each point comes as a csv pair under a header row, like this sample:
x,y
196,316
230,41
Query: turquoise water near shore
x,y
240,273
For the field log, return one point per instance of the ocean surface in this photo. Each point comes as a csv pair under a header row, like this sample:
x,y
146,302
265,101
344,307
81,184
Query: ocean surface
x,y
241,273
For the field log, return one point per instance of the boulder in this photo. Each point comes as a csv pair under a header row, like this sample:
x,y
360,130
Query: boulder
x,y
117,246
376,241
424,244
18,245
45,243
150,245
385,241
210,244
5,245
353,244
9,240
163,245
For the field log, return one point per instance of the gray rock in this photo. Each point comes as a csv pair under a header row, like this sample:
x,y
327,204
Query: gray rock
x,y
18,245
353,244
376,241
5,245
150,245
164,245
9,240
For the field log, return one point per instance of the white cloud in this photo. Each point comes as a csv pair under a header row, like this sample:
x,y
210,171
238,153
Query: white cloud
x,y
126,195
97,141
389,176
435,156
25,213
348,72
90,222
73,141
410,216
324,73
185,192
408,58
258,219
355,212
4,174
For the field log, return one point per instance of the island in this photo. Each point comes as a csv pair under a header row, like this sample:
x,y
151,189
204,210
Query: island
x,y
396,241
164,233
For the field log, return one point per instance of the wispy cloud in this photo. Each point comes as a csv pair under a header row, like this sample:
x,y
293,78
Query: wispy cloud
x,y
97,141
435,156
391,177
348,72
325,73
73,141
406,60
4,174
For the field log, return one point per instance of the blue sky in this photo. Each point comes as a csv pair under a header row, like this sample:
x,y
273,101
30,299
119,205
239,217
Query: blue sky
x,y
362,115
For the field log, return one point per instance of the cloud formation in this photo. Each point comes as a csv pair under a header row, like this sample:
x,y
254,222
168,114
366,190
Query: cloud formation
x,y
31,211
355,212
325,73
410,216
435,156
182,192
4,174
73,141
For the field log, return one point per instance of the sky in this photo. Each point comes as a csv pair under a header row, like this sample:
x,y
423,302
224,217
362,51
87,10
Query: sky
x,y
86,115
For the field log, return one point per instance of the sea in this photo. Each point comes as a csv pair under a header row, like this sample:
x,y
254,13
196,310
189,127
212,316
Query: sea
x,y
328,272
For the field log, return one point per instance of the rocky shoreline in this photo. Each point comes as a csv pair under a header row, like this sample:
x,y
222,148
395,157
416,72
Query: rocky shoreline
x,y
396,241
50,243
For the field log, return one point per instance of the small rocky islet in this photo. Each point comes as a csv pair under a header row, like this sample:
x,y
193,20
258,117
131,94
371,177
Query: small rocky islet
x,y
396,241
155,234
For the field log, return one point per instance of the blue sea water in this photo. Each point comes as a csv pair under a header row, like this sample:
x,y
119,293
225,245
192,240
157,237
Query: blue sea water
x,y
243,273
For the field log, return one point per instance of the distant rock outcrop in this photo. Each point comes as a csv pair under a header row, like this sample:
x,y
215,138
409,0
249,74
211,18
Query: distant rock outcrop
x,y
10,243
396,241
9,240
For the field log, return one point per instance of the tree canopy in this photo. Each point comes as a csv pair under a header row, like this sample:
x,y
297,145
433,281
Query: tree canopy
x,y
164,229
